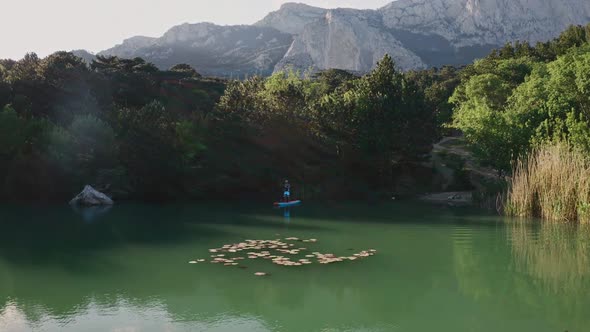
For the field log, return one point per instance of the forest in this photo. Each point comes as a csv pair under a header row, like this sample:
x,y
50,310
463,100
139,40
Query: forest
x,y
136,132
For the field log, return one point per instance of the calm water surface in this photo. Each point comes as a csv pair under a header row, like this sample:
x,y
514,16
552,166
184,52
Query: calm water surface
x,y
437,269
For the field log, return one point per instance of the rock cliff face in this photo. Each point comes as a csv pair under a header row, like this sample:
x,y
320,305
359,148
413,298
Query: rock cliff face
x,y
416,33
420,33
480,22
347,39
292,18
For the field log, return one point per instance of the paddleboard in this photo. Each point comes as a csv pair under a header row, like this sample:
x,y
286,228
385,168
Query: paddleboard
x,y
287,204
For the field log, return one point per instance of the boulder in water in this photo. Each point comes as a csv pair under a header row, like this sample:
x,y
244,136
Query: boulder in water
x,y
91,197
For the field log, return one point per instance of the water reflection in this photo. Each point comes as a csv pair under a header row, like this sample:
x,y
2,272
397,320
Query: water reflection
x,y
555,259
538,270
91,213
558,255
130,273
124,317
435,271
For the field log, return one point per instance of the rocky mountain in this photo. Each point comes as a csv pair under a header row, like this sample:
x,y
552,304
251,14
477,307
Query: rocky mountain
x,y
423,33
211,49
130,47
481,22
416,33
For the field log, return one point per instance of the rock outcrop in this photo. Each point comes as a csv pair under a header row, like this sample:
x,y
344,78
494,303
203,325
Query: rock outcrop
x,y
416,33
91,197
292,18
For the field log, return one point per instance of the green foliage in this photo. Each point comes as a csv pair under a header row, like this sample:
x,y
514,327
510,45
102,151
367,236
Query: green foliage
x,y
506,106
438,86
60,150
12,137
376,102
573,36
479,115
382,113
26,69
133,82
18,135
185,70
578,128
381,118
241,99
329,80
284,94
95,139
560,105
191,139
3,73
87,147
162,134
120,124
5,88
62,68
149,150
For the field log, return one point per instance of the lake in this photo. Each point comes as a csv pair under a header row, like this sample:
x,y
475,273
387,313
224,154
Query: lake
x,y
436,269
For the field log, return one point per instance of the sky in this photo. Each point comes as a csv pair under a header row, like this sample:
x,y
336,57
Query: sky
x,y
47,26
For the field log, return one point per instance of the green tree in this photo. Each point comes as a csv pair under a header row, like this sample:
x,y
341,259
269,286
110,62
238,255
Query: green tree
x,y
331,79
95,141
284,95
573,36
479,115
26,69
242,100
3,73
437,85
149,151
185,70
63,70
12,136
132,82
83,150
376,100
503,117
388,121
28,87
5,88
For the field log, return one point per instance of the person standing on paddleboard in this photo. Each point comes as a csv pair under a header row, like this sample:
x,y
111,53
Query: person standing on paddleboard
x,y
286,191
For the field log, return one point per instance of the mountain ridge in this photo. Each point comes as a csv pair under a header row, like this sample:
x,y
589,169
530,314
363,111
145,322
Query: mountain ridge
x,y
416,33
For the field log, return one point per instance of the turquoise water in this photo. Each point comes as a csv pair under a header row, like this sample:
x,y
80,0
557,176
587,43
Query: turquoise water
x,y
437,269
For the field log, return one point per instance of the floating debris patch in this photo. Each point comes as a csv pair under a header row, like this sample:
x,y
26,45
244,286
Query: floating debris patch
x,y
279,252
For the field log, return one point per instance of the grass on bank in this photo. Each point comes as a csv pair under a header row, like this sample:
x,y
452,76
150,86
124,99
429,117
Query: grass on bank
x,y
552,183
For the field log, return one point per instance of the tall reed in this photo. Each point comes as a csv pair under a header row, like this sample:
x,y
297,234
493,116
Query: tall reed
x,y
552,183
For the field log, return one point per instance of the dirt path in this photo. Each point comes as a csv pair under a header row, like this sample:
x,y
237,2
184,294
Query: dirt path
x,y
458,147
